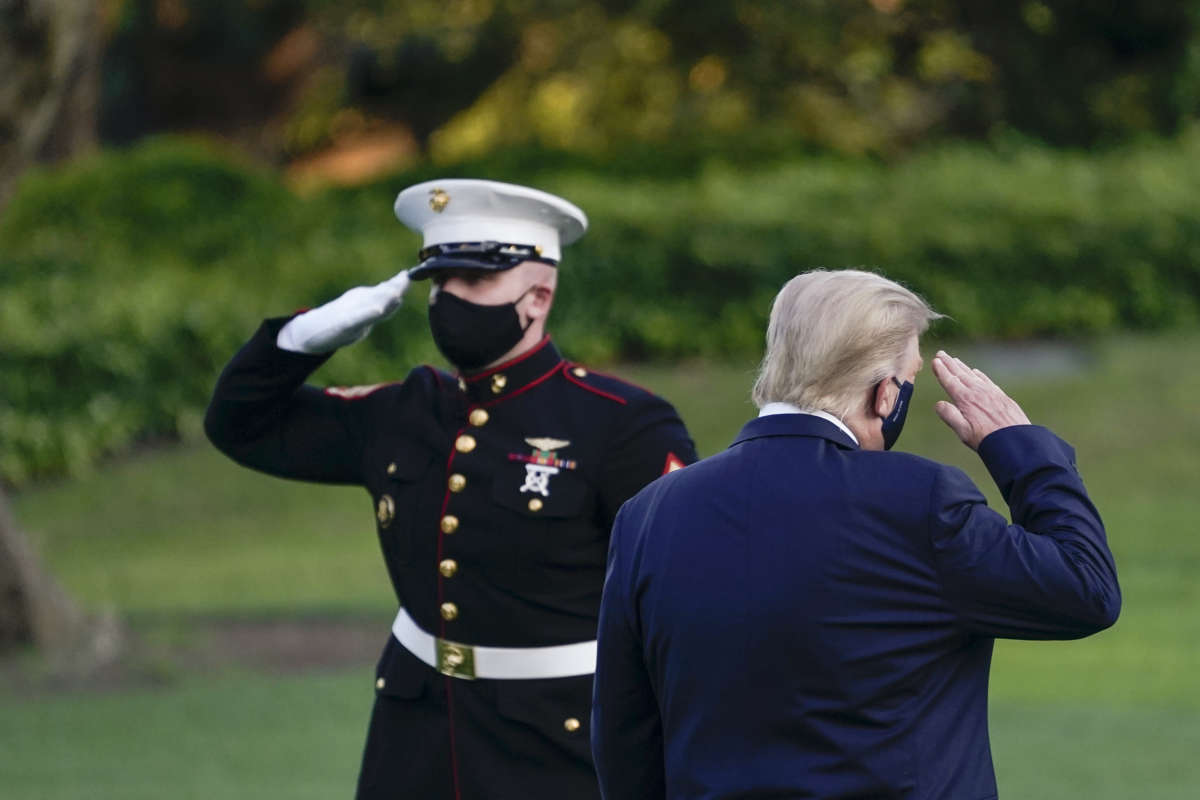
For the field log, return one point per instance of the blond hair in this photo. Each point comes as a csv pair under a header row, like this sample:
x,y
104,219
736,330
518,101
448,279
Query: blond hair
x,y
834,334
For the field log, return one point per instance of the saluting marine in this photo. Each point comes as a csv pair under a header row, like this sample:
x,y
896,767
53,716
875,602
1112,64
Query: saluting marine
x,y
494,492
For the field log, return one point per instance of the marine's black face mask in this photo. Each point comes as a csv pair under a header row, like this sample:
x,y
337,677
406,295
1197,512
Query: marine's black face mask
x,y
471,335
893,423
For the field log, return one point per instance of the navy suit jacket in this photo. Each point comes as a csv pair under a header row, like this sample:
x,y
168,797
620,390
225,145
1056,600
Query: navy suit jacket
x,y
799,618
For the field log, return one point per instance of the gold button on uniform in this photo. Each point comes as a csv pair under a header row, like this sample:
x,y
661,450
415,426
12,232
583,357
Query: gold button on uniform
x,y
457,482
571,724
385,511
499,381
478,417
579,372
449,523
464,443
462,385
379,684
535,504
391,469
449,611
448,567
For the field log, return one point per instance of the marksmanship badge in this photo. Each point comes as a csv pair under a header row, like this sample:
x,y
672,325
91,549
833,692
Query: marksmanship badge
x,y
542,463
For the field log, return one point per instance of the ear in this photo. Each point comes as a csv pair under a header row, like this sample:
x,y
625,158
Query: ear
x,y
541,297
884,394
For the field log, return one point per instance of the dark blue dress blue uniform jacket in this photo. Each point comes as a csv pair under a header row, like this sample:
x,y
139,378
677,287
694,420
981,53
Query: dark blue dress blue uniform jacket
x,y
799,618
472,556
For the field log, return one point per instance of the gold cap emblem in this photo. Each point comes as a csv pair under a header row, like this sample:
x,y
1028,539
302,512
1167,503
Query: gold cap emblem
x,y
438,200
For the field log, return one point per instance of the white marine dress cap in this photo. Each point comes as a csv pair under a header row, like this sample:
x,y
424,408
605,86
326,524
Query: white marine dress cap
x,y
488,225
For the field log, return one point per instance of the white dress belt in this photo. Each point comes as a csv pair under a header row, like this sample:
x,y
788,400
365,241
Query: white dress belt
x,y
506,663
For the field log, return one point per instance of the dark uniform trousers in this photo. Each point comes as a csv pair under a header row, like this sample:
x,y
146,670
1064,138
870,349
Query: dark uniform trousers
x,y
494,496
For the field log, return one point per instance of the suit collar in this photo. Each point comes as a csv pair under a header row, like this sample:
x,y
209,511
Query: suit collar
x,y
794,425
788,408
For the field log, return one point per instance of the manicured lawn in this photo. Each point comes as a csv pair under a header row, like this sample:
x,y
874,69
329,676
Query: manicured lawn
x,y
187,530
184,531
254,736
231,736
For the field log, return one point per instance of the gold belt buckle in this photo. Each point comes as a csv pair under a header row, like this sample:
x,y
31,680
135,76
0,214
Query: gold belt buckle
x,y
456,660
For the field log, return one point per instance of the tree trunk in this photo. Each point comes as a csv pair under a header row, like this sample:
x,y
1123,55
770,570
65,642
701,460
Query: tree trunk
x,y
49,91
50,84
34,610
35,613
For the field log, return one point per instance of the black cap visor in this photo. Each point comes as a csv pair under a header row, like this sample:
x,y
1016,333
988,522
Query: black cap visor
x,y
483,256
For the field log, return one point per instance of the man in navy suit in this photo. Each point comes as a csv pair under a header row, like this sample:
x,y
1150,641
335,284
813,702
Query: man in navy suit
x,y
807,615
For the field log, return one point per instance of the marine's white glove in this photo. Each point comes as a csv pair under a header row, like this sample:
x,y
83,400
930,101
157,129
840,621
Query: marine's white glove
x,y
342,321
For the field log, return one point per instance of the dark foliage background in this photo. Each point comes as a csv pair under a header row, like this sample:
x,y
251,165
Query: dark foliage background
x,y
128,279
461,77
1029,166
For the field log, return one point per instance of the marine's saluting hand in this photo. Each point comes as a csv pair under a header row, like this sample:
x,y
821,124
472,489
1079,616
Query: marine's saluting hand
x,y
977,406
345,320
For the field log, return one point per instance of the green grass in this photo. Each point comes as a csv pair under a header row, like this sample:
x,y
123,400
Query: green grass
x,y
252,736
233,736
186,530
182,530
1063,751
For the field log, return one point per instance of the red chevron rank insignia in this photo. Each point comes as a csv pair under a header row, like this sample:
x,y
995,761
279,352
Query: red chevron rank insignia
x,y
674,462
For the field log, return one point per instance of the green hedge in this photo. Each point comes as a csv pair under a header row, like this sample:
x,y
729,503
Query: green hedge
x,y
128,279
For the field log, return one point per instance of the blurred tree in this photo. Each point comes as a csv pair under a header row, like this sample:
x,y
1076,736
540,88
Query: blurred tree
x,y
36,612
226,66
456,78
1076,72
49,52
32,609
851,76
49,57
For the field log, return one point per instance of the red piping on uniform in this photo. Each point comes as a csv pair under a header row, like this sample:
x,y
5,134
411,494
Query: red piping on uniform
x,y
517,360
453,748
567,374
442,624
441,537
619,379
526,387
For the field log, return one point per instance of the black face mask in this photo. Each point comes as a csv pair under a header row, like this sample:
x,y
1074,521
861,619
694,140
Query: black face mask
x,y
893,423
470,335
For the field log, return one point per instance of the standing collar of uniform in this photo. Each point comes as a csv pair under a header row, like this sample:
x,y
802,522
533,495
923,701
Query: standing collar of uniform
x,y
502,380
787,408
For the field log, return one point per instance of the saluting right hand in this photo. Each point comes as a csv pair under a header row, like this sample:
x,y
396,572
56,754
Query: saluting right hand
x,y
345,320
977,406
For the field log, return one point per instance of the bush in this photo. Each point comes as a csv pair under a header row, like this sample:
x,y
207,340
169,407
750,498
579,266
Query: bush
x,y
127,280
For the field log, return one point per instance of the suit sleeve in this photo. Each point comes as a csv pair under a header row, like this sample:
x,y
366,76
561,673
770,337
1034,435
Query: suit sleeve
x,y
627,740
1048,575
652,441
263,416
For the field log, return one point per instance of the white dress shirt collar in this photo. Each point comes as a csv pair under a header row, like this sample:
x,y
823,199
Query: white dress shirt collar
x,y
788,408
